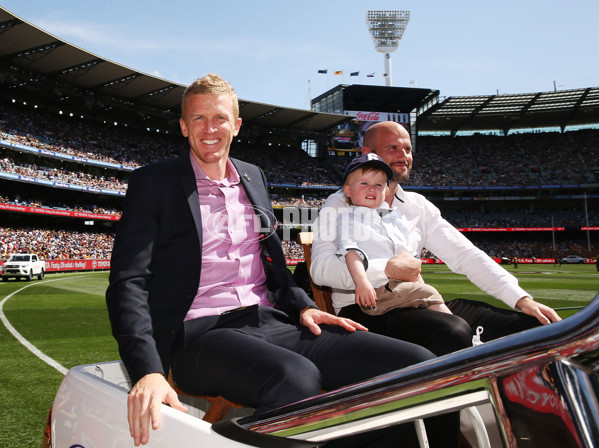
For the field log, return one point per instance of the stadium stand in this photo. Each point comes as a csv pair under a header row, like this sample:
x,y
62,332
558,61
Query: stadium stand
x,y
71,134
524,160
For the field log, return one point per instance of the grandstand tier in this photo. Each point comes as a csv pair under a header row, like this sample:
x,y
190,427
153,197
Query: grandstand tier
x,y
68,142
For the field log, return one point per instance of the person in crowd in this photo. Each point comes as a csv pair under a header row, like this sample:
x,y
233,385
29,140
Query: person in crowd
x,y
199,287
439,332
368,230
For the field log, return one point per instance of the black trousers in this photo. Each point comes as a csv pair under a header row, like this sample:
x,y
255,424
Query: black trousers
x,y
444,333
260,358
496,322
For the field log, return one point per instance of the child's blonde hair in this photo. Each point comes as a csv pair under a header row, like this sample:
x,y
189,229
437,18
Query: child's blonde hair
x,y
362,170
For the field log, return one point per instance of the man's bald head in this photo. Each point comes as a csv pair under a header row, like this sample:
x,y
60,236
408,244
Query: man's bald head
x,y
391,141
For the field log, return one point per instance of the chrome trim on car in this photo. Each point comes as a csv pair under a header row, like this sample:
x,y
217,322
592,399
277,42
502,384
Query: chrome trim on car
x,y
518,375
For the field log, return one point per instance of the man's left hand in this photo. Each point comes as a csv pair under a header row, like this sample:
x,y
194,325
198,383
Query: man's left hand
x,y
313,317
542,312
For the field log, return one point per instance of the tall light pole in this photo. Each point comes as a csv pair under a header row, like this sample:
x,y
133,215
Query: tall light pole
x,y
386,29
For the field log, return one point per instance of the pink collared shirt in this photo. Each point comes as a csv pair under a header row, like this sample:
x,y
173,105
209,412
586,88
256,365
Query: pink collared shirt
x,y
232,273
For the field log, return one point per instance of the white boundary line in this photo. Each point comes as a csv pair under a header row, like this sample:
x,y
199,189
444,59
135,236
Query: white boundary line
x,y
32,348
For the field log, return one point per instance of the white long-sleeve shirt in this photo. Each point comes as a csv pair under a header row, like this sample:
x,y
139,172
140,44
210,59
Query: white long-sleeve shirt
x,y
376,238
426,228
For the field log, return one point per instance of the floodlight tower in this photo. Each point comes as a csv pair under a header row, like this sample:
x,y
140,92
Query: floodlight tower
x,y
386,29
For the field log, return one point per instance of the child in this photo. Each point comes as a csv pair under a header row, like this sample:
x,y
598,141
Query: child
x,y
364,235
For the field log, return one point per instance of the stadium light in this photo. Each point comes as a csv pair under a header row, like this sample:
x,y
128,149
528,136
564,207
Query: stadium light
x,y
386,29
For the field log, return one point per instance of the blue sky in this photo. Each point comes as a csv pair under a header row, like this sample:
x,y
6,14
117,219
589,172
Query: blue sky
x,y
271,50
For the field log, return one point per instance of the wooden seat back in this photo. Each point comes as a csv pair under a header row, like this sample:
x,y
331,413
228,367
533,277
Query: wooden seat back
x,y
322,294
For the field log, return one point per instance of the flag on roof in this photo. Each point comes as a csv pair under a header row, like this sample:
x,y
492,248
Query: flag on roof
x,y
339,72
354,73
323,71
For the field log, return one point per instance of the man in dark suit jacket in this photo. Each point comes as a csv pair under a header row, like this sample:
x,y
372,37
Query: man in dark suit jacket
x,y
199,285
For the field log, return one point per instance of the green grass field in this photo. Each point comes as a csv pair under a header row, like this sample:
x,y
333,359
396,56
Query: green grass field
x,y
65,317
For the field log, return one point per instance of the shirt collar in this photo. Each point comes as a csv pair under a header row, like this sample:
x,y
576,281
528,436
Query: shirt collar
x,y
201,176
400,194
369,214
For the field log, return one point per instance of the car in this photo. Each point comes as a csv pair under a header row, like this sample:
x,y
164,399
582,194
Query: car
x,y
574,259
23,266
536,388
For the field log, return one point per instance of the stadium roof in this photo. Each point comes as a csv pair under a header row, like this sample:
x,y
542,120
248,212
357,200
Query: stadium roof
x,y
379,98
560,108
38,67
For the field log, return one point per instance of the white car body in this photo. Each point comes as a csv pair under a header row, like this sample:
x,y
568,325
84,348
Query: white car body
x,y
90,410
538,388
574,259
23,266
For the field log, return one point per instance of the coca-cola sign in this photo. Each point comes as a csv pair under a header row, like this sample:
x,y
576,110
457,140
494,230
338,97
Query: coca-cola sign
x,y
367,116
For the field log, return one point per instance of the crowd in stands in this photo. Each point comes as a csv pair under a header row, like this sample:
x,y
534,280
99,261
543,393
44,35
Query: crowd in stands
x,y
480,160
550,158
113,144
82,208
51,244
54,174
289,165
83,138
293,250
522,218
292,201
529,248
461,219
476,161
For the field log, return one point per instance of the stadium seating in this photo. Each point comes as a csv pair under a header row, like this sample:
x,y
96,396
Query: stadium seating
x,y
440,165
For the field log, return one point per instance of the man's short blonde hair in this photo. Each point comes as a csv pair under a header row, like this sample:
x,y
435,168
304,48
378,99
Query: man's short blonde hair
x,y
211,84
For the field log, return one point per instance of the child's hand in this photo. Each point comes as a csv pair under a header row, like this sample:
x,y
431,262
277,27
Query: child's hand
x,y
366,296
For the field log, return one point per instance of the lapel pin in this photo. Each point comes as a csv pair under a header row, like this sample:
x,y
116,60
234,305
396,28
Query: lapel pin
x,y
246,177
